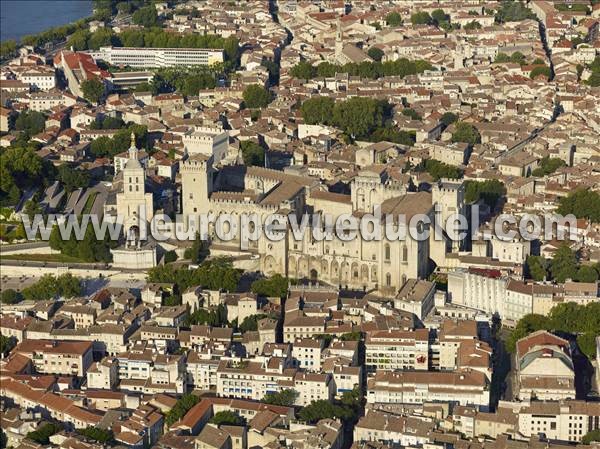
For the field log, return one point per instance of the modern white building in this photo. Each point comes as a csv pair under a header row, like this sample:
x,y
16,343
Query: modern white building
x,y
159,57
397,349
464,387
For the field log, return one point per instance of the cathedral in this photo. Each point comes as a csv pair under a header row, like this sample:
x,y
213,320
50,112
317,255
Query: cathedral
x,y
136,208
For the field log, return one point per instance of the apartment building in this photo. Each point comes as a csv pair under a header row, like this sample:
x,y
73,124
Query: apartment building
x,y
51,405
392,430
307,352
39,78
397,350
491,292
566,420
69,358
313,387
247,379
142,429
298,325
450,336
201,366
103,375
464,387
416,296
148,371
159,57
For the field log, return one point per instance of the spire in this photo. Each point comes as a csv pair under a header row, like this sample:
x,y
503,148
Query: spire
x,y
133,148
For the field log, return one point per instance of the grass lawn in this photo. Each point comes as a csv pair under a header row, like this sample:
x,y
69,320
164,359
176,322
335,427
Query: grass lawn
x,y
89,203
42,258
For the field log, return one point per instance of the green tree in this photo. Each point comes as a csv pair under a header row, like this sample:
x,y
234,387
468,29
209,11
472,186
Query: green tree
x,y
43,433
564,264
536,267
593,435
389,134
439,170
252,153
375,53
181,407
466,133
275,286
93,90
421,18
146,17
548,166
103,37
303,70
410,112
358,116
30,122
318,110
250,323
513,11
197,252
97,434
393,19
73,178
228,418
586,273
581,203
256,96
473,25
6,344
525,326
78,41
587,344
540,71
490,191
10,296
439,16
8,49
284,398
351,336
448,118
49,287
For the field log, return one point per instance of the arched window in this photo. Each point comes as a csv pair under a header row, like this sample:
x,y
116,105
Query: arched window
x,y
388,279
387,254
404,253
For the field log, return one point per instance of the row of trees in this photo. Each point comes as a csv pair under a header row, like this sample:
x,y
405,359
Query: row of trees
x,y
571,318
347,408
563,266
110,146
21,169
367,69
275,286
156,37
50,287
89,249
490,191
438,170
358,117
513,11
466,133
181,407
594,79
581,203
214,274
548,165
